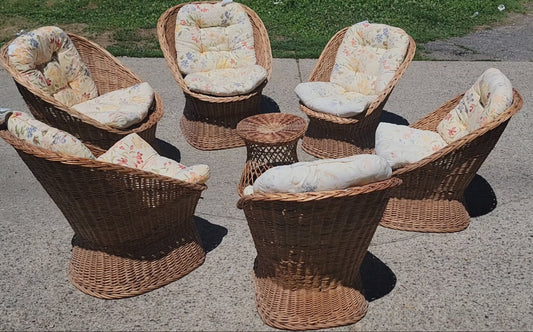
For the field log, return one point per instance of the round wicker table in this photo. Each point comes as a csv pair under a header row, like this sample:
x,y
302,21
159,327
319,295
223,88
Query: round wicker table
x,y
271,140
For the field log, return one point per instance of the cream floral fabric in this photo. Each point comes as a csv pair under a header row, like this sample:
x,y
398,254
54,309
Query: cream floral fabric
x,y
324,174
215,42
50,62
40,134
365,63
402,145
332,98
132,151
120,108
491,94
227,82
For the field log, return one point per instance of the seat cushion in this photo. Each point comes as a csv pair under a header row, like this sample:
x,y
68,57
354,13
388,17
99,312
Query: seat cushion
x,y
401,145
120,108
35,132
227,82
50,62
132,151
212,36
368,57
491,95
324,174
332,98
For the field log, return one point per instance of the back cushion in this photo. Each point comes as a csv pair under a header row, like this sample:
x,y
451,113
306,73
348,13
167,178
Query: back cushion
x,y
211,36
50,62
490,95
42,135
368,57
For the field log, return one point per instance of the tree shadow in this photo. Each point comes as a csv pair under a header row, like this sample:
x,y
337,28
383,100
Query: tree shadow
x,y
480,198
167,150
390,117
268,105
378,280
211,235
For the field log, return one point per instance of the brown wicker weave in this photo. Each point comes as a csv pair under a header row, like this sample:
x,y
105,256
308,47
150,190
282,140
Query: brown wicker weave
x,y
330,136
431,198
310,247
134,230
109,75
208,122
271,140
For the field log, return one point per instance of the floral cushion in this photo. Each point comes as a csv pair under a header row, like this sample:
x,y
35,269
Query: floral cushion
x,y
215,47
132,151
365,63
212,36
35,132
490,95
227,82
401,145
50,62
120,108
332,98
324,174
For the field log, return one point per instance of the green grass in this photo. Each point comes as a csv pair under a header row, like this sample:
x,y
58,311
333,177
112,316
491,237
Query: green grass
x,y
297,28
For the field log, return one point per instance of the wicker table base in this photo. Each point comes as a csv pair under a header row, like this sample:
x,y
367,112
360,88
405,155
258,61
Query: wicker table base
x,y
271,140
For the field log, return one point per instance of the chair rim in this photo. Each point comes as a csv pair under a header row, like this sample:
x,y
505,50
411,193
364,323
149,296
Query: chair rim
x,y
458,144
99,165
20,79
330,50
168,20
318,195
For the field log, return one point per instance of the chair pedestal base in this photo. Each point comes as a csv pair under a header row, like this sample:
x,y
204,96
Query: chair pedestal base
x,y
425,215
108,275
305,309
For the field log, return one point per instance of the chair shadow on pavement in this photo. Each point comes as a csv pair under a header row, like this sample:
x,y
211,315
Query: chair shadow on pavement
x,y
168,150
480,198
378,280
268,105
211,235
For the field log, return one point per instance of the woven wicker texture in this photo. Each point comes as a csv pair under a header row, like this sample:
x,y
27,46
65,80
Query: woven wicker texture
x,y
109,75
310,247
330,136
271,140
134,230
431,198
209,122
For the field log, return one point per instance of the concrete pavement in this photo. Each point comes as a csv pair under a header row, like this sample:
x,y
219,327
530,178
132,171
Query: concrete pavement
x,y
478,279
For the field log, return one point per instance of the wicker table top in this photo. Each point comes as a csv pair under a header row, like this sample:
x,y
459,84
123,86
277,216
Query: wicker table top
x,y
271,128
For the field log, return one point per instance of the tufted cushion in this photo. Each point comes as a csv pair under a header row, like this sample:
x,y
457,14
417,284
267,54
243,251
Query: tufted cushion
x,y
365,63
215,45
40,134
120,108
491,94
132,151
401,145
50,62
324,174
332,98
227,82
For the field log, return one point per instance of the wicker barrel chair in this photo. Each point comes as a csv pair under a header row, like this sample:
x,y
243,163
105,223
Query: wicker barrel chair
x,y
310,247
109,75
431,198
209,121
134,230
332,136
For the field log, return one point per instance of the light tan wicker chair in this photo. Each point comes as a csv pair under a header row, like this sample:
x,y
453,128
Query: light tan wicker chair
x,y
431,198
134,230
310,247
209,122
331,136
109,75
